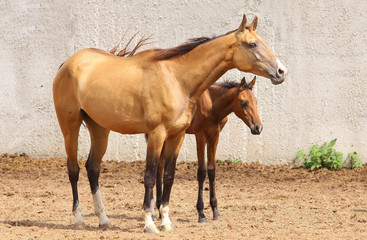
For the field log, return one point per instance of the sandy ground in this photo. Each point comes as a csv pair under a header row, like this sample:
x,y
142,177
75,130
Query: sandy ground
x,y
255,202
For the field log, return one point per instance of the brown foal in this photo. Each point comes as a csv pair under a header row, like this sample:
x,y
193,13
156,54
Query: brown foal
x,y
213,107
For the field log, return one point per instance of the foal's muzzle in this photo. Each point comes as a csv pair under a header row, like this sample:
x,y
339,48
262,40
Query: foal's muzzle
x,y
256,129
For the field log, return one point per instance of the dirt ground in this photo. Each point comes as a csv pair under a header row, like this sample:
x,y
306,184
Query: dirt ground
x,y
255,202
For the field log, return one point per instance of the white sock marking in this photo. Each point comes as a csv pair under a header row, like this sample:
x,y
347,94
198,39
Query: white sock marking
x,y
99,208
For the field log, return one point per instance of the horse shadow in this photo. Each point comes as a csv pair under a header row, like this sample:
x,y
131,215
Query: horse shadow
x,y
45,224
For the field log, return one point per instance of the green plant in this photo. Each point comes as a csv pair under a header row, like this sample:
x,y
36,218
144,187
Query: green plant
x,y
324,156
353,158
235,161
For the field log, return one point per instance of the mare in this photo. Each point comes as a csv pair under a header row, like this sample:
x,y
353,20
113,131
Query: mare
x,y
153,92
213,107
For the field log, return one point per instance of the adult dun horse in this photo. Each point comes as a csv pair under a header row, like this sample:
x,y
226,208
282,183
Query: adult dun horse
x,y
152,92
213,107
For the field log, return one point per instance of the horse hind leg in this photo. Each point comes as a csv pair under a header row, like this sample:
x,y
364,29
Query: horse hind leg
x,y
70,121
99,140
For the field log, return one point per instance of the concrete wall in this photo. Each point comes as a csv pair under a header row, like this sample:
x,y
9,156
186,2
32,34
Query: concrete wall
x,y
322,43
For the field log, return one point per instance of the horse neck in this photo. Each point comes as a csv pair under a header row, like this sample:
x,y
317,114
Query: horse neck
x,y
205,64
222,99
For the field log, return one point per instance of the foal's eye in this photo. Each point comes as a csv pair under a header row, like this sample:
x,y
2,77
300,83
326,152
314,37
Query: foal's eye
x,y
244,103
252,45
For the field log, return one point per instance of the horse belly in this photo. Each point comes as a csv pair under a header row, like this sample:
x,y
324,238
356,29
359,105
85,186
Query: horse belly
x,y
121,112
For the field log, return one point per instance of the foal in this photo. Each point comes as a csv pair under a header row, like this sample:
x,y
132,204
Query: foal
x,y
213,107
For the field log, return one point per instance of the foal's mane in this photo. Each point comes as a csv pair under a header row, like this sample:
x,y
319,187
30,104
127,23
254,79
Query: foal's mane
x,y
163,54
228,84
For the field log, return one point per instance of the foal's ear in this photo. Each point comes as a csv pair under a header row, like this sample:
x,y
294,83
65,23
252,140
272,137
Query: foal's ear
x,y
253,25
252,83
243,24
243,84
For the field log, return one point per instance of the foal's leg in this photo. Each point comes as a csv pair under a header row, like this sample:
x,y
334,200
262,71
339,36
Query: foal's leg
x,y
99,139
70,119
155,144
171,150
201,173
212,148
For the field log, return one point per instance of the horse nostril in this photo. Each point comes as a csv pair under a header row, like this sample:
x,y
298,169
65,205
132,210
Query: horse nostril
x,y
280,71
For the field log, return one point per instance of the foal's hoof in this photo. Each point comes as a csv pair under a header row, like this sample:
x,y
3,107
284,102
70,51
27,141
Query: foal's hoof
x,y
167,227
217,218
79,225
202,220
151,229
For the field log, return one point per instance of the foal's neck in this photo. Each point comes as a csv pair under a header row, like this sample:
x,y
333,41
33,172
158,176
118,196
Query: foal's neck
x,y
222,99
205,64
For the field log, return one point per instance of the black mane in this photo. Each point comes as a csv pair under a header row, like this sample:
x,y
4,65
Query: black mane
x,y
162,54
228,84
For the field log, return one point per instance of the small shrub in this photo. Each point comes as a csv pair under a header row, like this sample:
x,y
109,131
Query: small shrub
x,y
353,158
324,156
235,161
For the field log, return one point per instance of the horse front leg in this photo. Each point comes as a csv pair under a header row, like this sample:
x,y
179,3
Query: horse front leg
x,y
201,173
212,148
159,185
156,140
172,148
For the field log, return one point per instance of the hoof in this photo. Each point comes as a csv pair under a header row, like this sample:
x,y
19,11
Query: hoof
x,y
202,220
104,225
151,229
217,218
154,217
167,227
79,226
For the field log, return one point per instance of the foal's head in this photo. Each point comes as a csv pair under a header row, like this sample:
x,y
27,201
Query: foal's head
x,y
245,106
251,54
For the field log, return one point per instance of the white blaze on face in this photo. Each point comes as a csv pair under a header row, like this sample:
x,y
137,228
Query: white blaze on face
x,y
281,66
99,208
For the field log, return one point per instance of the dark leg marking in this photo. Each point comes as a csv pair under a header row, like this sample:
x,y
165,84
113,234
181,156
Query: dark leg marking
x,y
213,199
201,174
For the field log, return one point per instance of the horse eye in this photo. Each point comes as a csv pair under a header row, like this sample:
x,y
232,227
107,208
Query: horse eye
x,y
244,103
252,45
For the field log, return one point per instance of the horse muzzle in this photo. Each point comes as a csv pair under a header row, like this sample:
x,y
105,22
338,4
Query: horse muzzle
x,y
256,129
279,76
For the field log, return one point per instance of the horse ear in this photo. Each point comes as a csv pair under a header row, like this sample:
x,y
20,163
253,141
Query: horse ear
x,y
253,25
243,84
243,81
243,24
252,83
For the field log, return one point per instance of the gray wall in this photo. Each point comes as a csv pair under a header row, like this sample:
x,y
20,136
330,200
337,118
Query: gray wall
x,y
322,43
